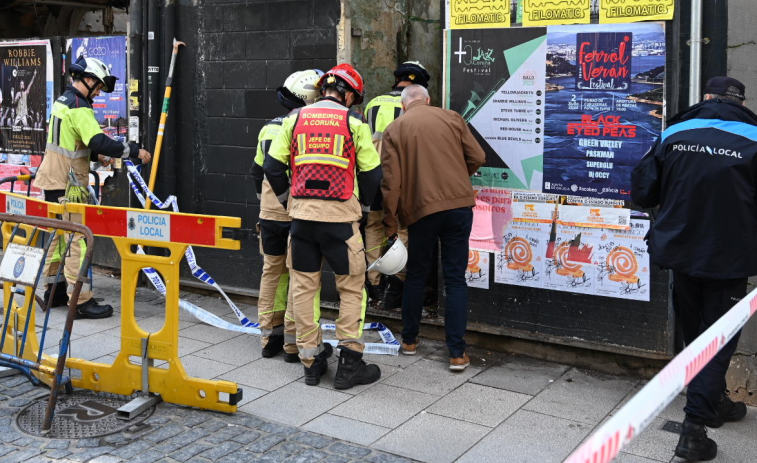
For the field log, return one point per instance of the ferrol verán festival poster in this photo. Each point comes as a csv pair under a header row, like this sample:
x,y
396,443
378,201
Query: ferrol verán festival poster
x,y
604,105
110,108
25,93
495,80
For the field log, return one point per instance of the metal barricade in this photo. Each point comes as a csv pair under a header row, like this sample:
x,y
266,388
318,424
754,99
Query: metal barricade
x,y
26,178
22,266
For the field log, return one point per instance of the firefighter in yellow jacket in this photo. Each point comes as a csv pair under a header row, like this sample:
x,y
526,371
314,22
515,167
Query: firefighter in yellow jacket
x,y
380,112
274,312
74,139
335,173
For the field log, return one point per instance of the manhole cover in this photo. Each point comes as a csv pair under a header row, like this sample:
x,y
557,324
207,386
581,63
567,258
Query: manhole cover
x,y
79,415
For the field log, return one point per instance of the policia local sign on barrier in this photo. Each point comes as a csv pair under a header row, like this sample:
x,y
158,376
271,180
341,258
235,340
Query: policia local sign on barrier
x,y
564,111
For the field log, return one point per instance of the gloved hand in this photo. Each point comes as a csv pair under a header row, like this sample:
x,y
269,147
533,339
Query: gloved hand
x,y
390,240
75,192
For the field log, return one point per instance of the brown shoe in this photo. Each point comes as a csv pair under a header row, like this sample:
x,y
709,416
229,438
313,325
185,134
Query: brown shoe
x,y
410,349
460,363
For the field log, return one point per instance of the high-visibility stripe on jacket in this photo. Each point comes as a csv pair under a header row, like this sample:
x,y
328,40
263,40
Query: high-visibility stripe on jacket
x,y
270,207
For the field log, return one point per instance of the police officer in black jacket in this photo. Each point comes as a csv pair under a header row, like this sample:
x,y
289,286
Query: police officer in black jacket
x,y
702,173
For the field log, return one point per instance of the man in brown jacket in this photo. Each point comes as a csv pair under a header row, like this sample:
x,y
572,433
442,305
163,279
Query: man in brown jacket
x,y
428,156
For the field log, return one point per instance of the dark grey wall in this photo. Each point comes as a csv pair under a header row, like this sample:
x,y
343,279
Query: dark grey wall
x,y
238,53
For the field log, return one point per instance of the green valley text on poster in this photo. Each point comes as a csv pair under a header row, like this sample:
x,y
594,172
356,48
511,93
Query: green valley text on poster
x,y
495,80
605,91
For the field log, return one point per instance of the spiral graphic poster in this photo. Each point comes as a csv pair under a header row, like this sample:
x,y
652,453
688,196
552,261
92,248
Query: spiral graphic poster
x,y
622,262
477,272
564,274
521,258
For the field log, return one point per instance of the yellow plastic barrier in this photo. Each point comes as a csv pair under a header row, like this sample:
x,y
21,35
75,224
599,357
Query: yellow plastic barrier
x,y
129,227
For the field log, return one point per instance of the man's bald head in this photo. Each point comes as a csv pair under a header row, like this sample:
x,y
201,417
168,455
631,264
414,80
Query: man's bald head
x,y
413,93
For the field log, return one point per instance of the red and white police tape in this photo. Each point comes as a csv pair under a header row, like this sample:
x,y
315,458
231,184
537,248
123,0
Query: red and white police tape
x,y
635,416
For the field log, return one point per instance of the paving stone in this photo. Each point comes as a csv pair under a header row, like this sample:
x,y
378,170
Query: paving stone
x,y
224,434
6,449
164,432
265,374
335,459
18,403
196,418
88,443
213,425
430,377
587,398
274,456
57,454
89,454
349,450
347,429
275,428
307,456
220,450
158,420
386,458
146,457
130,450
20,390
243,419
528,437
265,443
238,456
296,404
246,437
313,440
58,444
24,442
478,404
384,405
432,438
291,448
190,451
106,459
116,439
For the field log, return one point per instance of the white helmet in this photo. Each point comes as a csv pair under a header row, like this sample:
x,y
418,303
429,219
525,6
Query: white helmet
x,y
93,67
392,261
300,87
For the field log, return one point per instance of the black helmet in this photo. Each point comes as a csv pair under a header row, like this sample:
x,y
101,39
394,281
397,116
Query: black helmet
x,y
412,71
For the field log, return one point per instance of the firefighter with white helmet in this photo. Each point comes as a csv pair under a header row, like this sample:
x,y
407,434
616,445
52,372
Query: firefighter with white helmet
x,y
74,139
335,173
274,307
380,112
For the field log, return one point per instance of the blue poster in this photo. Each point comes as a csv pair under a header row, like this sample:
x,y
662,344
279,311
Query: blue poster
x,y
111,109
603,106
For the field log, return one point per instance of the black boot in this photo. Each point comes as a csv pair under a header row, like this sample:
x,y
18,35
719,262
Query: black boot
x,y
694,445
375,291
353,370
60,298
319,367
291,358
728,410
393,295
91,309
274,346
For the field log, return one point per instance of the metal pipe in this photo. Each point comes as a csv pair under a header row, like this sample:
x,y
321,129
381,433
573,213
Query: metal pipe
x,y
695,56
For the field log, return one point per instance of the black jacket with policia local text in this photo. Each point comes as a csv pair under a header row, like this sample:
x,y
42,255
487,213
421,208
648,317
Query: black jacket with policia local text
x,y
702,172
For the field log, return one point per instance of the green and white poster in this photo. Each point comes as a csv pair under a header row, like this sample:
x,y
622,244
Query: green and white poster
x,y
497,82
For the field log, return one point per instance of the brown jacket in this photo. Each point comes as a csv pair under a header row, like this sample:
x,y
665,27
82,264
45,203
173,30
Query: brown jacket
x,y
428,156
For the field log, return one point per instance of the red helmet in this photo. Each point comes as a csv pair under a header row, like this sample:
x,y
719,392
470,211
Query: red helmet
x,y
341,76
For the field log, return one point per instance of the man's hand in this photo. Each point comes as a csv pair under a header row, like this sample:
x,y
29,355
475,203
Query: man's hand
x,y
105,161
390,240
144,156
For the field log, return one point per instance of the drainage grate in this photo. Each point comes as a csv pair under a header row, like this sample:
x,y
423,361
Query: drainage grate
x,y
79,415
672,426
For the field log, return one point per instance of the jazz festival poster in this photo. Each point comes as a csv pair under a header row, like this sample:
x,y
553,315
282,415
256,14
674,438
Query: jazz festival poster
x,y
604,105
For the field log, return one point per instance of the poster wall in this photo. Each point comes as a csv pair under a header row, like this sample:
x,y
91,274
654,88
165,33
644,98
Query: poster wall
x,y
478,14
477,271
491,215
604,105
26,84
110,108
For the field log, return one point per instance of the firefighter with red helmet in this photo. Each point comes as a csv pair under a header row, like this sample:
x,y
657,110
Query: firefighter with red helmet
x,y
335,174
380,112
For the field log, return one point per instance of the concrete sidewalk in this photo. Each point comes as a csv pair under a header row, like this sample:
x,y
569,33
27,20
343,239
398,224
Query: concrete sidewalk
x,y
501,409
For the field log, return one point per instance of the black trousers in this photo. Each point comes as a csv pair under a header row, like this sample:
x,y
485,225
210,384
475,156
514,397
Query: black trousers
x,y
699,303
274,236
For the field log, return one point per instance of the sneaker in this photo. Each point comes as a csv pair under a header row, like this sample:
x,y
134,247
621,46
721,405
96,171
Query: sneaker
x,y
410,349
60,298
728,410
459,363
91,309
274,345
694,445
291,358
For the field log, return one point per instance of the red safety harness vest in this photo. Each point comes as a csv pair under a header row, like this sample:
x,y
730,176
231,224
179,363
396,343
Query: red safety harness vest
x,y
323,155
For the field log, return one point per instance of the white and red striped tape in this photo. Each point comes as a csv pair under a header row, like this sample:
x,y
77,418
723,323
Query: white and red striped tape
x,y
635,416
